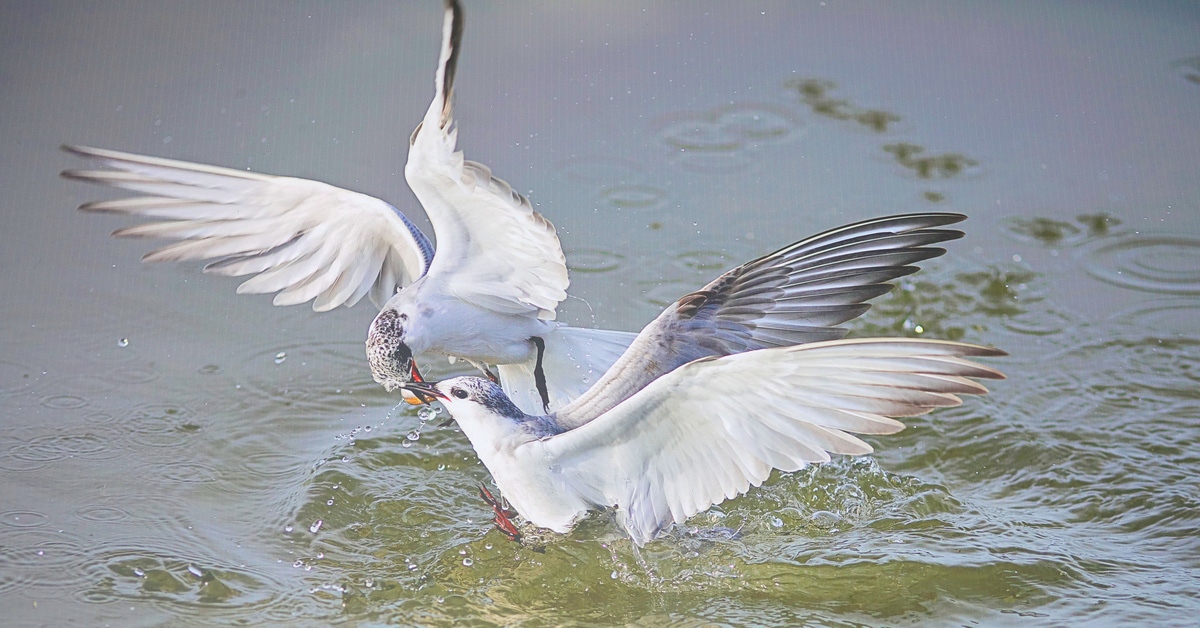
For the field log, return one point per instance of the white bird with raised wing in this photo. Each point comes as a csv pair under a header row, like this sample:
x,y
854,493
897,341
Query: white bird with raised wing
x,y
688,417
488,295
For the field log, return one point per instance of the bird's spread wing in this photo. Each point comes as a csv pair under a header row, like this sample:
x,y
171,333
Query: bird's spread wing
x,y
795,295
304,239
494,250
712,429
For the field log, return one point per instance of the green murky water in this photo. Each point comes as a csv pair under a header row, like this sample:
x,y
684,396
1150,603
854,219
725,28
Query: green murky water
x,y
174,454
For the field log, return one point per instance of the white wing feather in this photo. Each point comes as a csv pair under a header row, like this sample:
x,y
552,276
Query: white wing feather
x,y
304,239
713,428
494,250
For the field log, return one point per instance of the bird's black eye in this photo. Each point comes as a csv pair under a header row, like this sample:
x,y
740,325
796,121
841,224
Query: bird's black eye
x,y
458,392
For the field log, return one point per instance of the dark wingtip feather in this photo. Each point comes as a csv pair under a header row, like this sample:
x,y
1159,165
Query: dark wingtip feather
x,y
945,235
456,33
77,149
945,218
94,207
992,352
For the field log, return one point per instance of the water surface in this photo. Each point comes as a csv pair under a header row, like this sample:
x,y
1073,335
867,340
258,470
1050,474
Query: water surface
x,y
175,454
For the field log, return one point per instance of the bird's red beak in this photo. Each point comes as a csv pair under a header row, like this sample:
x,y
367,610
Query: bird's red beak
x,y
415,375
423,392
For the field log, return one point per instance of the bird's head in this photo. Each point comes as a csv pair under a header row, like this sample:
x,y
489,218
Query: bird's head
x,y
468,398
389,350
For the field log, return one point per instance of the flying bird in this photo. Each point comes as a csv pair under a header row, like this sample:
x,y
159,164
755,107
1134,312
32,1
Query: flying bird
x,y
728,383
488,294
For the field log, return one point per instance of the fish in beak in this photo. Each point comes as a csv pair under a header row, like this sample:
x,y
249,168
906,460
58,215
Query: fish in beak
x,y
424,392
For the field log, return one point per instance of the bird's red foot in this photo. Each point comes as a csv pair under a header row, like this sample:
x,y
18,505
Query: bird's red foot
x,y
501,519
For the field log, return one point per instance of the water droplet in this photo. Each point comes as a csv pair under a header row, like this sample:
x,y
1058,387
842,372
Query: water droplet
x,y
316,526
299,563
414,435
426,413
124,342
41,553
137,571
467,562
442,467
487,546
613,575
320,555
329,503
288,528
406,444
280,357
439,410
195,571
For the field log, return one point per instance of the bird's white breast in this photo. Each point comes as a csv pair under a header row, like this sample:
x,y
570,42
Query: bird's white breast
x,y
518,464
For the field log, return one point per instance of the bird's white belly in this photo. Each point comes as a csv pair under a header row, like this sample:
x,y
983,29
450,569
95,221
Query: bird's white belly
x,y
466,331
535,490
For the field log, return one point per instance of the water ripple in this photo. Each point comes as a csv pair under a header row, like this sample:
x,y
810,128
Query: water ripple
x,y
271,464
191,587
724,139
23,519
1039,322
309,374
103,513
131,375
40,564
151,512
1158,263
703,260
48,448
1175,316
593,261
162,425
639,196
190,473
63,402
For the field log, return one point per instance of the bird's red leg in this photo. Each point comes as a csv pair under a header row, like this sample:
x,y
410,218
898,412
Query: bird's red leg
x,y
503,523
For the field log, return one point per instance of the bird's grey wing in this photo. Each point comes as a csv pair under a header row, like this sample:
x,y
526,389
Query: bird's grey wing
x,y
795,295
712,429
304,239
494,250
